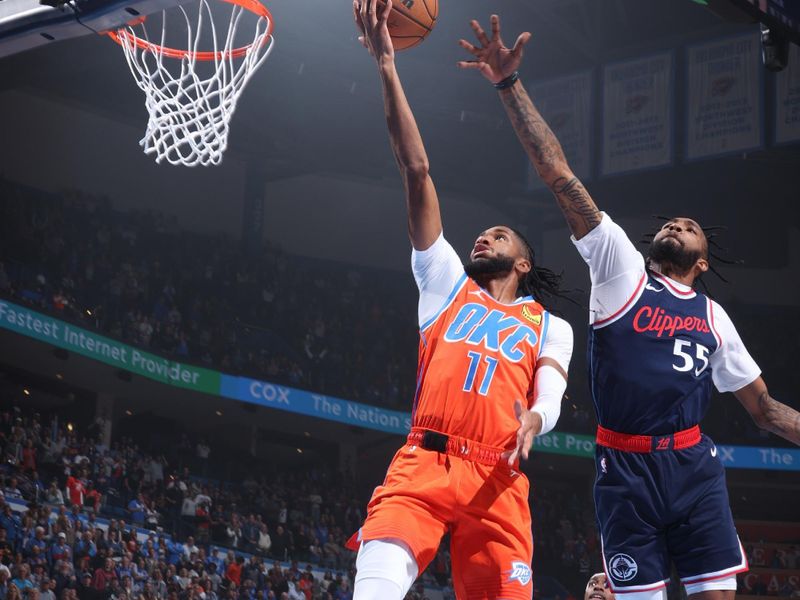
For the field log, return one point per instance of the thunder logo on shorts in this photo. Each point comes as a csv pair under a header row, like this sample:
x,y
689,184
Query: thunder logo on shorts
x,y
476,357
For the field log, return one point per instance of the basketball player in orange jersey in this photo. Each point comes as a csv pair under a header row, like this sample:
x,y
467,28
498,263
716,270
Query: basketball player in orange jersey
x,y
492,371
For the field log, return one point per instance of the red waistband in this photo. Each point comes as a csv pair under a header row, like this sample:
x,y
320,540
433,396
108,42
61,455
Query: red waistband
x,y
455,446
648,443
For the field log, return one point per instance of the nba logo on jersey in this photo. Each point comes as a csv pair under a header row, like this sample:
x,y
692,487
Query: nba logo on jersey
x,y
622,567
520,572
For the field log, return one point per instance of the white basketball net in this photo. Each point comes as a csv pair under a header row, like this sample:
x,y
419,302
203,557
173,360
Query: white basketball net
x,y
190,113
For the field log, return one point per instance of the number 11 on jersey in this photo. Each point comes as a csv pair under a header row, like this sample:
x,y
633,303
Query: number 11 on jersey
x,y
486,381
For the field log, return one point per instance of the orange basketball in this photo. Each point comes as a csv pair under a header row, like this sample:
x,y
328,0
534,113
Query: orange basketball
x,y
410,21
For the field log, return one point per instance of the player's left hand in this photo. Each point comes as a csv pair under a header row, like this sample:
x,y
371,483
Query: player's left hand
x,y
530,423
492,58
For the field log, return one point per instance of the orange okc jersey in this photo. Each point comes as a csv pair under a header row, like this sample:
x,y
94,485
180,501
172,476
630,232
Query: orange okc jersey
x,y
477,356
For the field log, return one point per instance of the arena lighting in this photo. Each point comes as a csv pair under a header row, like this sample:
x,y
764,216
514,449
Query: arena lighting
x,y
219,413
26,391
88,312
59,376
69,427
299,450
129,413
307,434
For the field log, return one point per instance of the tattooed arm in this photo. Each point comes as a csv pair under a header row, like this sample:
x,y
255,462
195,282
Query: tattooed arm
x,y
496,63
547,157
768,413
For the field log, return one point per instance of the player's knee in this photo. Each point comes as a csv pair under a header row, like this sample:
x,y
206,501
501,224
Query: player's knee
x,y
717,589
385,570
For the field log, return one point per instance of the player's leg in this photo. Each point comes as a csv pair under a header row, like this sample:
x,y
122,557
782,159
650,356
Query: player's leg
x,y
491,545
404,525
703,544
729,593
385,569
629,511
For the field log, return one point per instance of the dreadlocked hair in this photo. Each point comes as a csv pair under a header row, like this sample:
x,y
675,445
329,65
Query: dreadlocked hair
x,y
715,251
540,282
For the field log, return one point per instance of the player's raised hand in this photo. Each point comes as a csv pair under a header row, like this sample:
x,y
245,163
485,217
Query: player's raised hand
x,y
529,424
372,23
492,58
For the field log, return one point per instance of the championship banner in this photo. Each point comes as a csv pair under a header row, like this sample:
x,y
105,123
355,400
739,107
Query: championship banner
x,y
566,105
724,103
638,114
88,343
787,100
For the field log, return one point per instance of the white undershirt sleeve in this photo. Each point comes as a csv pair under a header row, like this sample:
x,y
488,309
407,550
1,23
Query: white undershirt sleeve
x,y
732,367
549,384
548,390
615,267
436,271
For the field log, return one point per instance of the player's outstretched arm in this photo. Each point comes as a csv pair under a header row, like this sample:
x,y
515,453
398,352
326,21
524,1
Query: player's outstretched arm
x,y
768,413
499,65
424,219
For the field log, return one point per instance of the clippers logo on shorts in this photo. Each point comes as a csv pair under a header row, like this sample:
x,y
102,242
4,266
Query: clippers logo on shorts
x,y
520,572
622,567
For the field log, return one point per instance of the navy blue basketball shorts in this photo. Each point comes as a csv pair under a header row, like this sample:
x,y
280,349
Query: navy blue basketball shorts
x,y
663,506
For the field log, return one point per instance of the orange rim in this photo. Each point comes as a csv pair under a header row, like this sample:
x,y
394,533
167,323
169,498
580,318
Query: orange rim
x,y
253,6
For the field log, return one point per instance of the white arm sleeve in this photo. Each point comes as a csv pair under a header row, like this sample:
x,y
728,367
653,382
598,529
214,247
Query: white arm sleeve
x,y
732,367
548,389
436,271
549,385
615,267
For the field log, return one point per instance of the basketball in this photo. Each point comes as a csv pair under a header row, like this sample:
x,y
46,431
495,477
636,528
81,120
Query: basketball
x,y
411,21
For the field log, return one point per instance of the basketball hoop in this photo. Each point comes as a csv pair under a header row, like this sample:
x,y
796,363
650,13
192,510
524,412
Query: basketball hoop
x,y
190,110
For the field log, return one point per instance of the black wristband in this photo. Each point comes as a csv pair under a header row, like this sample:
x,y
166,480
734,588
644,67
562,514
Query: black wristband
x,y
507,82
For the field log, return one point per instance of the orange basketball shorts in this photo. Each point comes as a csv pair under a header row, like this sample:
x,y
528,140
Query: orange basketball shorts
x,y
485,508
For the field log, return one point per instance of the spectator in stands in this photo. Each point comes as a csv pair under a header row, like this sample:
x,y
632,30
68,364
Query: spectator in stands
x,y
264,541
234,572
75,489
103,576
5,576
234,531
6,548
13,592
137,510
47,589
12,491
597,588
190,550
22,581
60,551
54,495
281,543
